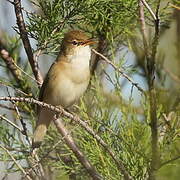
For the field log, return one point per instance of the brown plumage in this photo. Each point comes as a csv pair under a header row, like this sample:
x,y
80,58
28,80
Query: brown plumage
x,y
66,80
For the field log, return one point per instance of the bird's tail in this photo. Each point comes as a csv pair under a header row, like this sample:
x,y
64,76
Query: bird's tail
x,y
45,117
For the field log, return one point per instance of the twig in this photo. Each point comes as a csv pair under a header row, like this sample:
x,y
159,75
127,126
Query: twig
x,y
169,161
167,119
10,2
102,43
17,150
83,124
18,165
24,130
149,9
143,28
174,6
10,63
71,144
9,108
119,70
37,163
155,158
172,75
47,153
44,156
150,69
16,89
25,73
11,123
26,42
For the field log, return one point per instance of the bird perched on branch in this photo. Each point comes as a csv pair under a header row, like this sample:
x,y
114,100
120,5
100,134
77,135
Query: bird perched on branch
x,y
66,80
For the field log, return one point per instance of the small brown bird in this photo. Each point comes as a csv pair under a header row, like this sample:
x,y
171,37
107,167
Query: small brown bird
x,y
66,80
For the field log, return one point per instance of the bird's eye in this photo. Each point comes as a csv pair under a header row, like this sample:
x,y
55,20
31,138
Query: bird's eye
x,y
74,42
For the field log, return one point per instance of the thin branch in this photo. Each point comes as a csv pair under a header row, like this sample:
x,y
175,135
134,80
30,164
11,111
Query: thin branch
x,y
143,28
102,43
15,89
167,119
155,158
9,108
17,150
83,124
149,9
142,20
25,73
11,123
17,164
24,130
172,75
71,144
169,161
174,6
119,70
47,153
26,42
10,63
44,156
38,161
37,167
10,2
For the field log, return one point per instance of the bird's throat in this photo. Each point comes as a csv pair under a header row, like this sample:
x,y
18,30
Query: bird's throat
x,y
80,57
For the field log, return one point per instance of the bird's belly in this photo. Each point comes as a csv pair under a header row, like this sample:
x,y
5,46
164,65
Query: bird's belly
x,y
67,92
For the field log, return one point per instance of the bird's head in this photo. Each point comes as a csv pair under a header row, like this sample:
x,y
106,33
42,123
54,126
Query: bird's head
x,y
76,42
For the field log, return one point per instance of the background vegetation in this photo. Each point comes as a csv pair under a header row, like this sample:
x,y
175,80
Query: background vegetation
x,y
131,105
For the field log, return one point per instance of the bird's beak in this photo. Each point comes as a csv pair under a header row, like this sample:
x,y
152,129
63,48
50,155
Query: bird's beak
x,y
89,41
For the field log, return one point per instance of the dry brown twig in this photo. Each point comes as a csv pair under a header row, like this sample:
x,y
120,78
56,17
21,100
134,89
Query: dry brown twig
x,y
12,66
149,9
10,63
71,144
38,161
26,42
11,123
119,70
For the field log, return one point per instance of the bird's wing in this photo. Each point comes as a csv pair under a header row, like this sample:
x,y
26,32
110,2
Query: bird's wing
x,y
45,82
44,85
44,116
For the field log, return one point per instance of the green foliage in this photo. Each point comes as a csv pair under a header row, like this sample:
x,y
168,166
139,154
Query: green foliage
x,y
111,19
125,127
127,138
176,2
